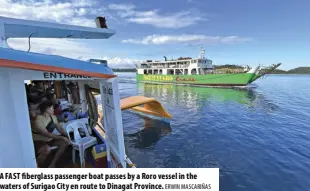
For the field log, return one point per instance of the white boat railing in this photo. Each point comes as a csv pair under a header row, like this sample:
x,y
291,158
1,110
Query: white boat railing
x,y
165,67
130,163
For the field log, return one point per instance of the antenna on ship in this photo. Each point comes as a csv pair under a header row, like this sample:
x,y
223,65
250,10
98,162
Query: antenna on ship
x,y
202,52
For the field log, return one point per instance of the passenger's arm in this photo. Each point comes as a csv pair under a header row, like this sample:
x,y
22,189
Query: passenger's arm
x,y
59,128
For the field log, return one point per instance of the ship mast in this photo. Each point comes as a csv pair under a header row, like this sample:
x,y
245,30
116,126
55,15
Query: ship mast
x,y
202,52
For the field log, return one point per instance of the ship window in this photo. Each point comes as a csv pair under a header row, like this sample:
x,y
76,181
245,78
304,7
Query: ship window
x,y
178,72
208,71
185,71
194,72
170,72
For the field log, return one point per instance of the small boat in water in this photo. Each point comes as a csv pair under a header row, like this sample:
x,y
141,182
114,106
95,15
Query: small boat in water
x,y
198,72
17,67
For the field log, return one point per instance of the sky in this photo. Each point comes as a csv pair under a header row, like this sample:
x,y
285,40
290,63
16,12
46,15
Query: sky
x,y
242,32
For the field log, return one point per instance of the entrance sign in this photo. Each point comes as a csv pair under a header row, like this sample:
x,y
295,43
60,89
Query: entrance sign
x,y
39,75
55,75
113,122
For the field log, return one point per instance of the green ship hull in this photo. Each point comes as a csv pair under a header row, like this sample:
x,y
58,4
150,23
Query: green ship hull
x,y
241,79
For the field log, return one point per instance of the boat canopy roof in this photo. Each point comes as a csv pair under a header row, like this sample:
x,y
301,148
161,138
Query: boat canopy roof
x,y
50,63
18,28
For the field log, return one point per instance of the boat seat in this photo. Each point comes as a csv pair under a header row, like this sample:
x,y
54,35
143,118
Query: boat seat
x,y
77,141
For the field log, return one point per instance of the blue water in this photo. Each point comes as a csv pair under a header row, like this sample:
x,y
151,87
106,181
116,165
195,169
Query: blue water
x,y
260,138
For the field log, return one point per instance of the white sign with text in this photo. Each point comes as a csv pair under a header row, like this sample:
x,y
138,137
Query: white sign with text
x,y
113,121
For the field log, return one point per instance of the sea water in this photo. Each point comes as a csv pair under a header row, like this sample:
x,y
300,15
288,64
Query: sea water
x,y
259,138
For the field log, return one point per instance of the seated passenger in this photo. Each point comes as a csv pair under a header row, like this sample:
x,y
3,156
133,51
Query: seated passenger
x,y
41,150
51,96
43,129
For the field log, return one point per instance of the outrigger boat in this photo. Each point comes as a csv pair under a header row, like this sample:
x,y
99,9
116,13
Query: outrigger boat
x,y
198,72
16,143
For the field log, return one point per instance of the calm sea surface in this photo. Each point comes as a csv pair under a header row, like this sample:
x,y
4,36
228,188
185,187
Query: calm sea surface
x,y
260,139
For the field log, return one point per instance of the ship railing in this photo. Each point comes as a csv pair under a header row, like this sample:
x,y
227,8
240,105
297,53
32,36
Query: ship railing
x,y
144,67
160,67
157,67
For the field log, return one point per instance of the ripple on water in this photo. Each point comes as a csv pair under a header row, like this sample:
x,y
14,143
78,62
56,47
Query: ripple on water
x,y
259,139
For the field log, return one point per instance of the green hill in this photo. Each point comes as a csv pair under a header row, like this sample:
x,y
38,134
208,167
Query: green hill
x,y
228,66
124,70
278,71
299,70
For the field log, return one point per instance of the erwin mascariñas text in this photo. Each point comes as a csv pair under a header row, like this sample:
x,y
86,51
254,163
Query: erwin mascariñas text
x,y
39,182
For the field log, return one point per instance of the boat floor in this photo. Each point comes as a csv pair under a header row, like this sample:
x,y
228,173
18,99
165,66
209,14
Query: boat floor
x,y
66,159
77,165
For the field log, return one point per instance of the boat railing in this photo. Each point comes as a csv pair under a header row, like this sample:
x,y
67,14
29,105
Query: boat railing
x,y
160,67
129,163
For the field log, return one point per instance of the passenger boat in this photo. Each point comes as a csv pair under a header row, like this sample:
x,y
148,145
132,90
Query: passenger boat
x,y
18,67
198,72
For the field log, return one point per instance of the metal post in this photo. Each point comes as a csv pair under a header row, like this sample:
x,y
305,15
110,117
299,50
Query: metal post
x,y
3,43
82,96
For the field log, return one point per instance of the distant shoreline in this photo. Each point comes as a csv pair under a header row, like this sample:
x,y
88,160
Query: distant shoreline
x,y
124,69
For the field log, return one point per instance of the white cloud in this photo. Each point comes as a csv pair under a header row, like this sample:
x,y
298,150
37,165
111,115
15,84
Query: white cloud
x,y
186,39
117,62
63,47
122,7
154,18
75,12
70,12
69,48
